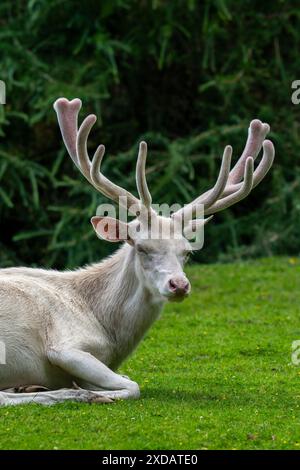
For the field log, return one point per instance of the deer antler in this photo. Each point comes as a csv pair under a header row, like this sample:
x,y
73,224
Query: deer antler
x,y
76,143
231,186
229,189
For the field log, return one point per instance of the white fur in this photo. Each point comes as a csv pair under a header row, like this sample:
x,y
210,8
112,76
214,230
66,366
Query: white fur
x,y
61,327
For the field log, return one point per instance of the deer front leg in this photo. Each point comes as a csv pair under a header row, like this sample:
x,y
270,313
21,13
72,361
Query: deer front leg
x,y
52,397
86,367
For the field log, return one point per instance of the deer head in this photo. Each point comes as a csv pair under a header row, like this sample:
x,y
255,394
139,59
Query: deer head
x,y
160,260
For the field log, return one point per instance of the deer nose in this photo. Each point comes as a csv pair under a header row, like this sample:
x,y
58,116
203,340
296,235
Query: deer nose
x,y
179,286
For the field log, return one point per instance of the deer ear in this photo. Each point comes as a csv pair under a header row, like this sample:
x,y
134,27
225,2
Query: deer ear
x,y
111,230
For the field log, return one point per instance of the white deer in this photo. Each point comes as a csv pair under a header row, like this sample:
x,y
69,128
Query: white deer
x,y
76,327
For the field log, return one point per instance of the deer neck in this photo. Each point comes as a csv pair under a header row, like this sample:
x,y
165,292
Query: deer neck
x,y
119,299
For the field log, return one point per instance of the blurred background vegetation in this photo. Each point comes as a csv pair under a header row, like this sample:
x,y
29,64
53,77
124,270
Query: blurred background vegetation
x,y
186,76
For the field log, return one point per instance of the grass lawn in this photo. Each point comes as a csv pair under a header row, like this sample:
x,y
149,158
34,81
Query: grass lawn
x,y
215,373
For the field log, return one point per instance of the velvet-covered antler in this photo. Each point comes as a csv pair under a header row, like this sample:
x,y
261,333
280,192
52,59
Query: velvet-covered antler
x,y
76,143
233,186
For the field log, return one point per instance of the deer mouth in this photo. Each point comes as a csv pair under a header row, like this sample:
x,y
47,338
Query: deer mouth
x,y
170,297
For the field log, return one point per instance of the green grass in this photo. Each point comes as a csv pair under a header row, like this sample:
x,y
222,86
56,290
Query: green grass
x,y
215,373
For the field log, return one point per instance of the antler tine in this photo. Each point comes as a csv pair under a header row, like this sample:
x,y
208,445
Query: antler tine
x,y
81,146
141,181
96,167
109,188
265,163
260,172
92,169
238,195
256,134
67,115
211,196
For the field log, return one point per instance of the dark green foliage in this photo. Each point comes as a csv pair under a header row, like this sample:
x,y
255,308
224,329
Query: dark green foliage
x,y
186,76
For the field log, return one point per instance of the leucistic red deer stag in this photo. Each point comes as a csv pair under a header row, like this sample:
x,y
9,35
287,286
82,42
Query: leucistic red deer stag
x,y
61,328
